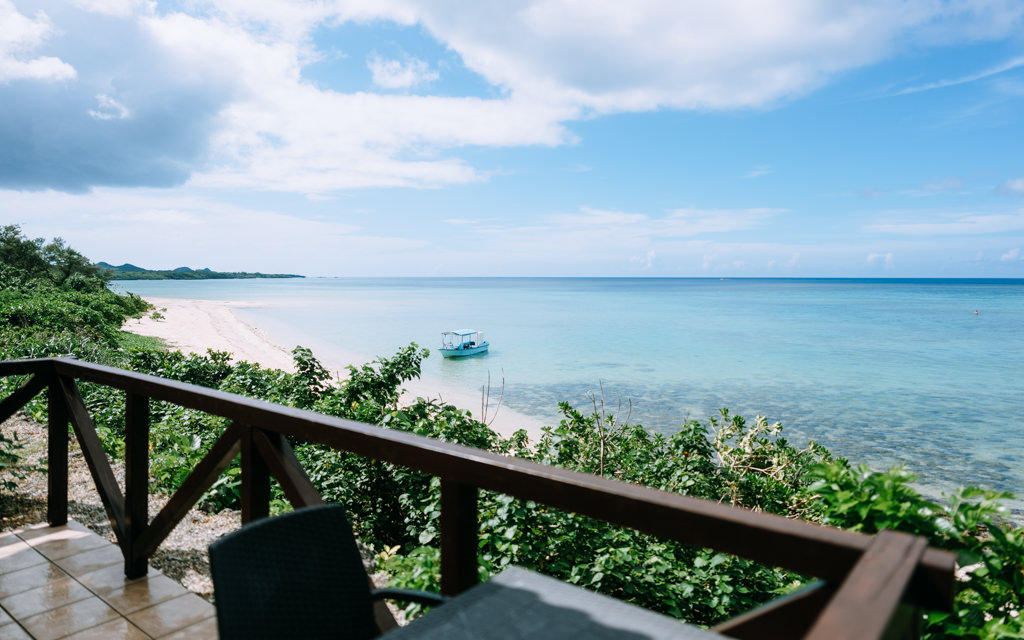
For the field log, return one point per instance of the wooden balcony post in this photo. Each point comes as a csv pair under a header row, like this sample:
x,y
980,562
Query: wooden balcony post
x,y
136,482
56,456
459,537
255,479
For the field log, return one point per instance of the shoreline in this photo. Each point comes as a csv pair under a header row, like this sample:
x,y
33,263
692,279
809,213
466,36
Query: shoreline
x,y
193,326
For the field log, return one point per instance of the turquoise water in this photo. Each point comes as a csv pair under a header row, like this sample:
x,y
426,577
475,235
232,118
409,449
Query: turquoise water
x,y
880,371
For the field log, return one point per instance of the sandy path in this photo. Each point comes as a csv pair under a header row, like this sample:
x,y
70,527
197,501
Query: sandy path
x,y
193,326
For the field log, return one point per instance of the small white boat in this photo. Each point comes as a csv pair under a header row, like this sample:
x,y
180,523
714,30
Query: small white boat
x,y
462,342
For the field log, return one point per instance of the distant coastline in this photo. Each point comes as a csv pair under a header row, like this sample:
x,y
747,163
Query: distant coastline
x,y
132,272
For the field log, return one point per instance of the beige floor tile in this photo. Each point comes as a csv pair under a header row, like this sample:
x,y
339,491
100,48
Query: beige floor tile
x,y
205,630
110,578
34,531
29,529
62,542
86,561
18,555
68,619
30,578
172,615
118,629
8,537
13,632
144,593
48,596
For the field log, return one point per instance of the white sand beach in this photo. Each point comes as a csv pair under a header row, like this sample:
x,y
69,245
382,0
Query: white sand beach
x,y
193,326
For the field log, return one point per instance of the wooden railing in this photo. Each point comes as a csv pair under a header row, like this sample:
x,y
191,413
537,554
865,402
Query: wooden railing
x,y
863,580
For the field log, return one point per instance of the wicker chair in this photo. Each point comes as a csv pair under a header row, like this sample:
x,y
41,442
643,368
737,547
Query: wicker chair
x,y
297,575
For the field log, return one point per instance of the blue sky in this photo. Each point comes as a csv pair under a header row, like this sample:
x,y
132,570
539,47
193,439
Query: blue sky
x,y
762,138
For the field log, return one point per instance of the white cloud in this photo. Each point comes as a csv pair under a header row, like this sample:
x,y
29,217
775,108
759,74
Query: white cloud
x,y
281,133
646,241
555,61
1014,186
952,224
885,259
548,63
758,171
646,261
943,184
1009,65
19,36
395,74
1011,256
936,187
645,54
118,8
118,226
674,224
109,109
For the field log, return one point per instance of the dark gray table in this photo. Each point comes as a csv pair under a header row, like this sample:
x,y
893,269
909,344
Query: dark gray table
x,y
522,604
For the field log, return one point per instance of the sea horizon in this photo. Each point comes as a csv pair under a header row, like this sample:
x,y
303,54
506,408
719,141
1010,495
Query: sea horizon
x,y
909,280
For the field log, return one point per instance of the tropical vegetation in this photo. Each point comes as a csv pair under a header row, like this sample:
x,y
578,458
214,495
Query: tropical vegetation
x,y
132,272
54,302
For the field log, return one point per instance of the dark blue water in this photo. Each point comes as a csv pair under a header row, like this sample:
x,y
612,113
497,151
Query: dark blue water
x,y
879,371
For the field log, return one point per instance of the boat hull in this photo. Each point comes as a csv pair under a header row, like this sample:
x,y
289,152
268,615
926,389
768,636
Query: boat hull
x,y
462,353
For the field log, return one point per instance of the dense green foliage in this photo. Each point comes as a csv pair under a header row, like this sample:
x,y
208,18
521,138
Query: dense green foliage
x,y
53,301
396,512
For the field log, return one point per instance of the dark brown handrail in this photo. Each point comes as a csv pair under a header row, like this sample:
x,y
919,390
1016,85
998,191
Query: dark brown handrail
x,y
258,432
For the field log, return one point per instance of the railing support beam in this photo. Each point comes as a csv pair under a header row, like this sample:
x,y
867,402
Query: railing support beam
x,y
22,396
255,479
283,465
459,537
95,457
216,460
136,483
786,618
56,456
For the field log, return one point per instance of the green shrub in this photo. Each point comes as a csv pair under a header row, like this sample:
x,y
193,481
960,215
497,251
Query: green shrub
x,y
990,551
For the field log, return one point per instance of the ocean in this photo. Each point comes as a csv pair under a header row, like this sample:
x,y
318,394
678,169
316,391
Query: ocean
x,y
883,372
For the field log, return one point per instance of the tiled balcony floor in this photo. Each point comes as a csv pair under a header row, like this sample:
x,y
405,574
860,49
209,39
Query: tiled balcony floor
x,y
68,582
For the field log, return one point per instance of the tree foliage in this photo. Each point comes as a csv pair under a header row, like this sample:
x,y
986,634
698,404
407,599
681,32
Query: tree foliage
x,y
24,261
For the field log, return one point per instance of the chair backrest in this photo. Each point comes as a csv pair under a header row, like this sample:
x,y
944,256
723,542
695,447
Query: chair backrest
x,y
297,575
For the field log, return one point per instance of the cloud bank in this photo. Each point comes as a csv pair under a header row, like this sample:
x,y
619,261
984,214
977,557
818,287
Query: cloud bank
x,y
138,93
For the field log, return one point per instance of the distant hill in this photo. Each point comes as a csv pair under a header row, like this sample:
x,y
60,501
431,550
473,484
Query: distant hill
x,y
131,272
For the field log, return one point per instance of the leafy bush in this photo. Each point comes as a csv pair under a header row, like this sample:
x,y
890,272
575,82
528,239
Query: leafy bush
x,y
990,552
696,584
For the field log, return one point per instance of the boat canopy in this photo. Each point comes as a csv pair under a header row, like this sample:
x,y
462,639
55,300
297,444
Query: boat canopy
x,y
462,332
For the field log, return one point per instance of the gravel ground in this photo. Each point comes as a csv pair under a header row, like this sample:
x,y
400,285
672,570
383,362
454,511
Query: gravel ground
x,y
182,556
